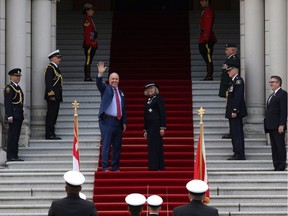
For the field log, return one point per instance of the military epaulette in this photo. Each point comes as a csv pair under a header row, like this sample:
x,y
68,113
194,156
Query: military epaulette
x,y
86,23
7,88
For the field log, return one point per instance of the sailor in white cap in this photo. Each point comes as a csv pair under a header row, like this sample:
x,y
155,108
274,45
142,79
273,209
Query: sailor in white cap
x,y
196,192
53,93
135,203
73,204
154,204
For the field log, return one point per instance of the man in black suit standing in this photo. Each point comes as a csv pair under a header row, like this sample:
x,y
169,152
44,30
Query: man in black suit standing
x,y
235,111
72,204
13,101
53,93
197,189
275,122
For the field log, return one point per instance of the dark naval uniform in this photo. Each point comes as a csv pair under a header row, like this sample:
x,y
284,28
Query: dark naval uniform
x,y
13,100
54,82
225,79
236,104
72,205
154,121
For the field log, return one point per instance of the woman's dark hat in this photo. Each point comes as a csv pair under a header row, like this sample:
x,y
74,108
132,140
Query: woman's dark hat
x,y
149,84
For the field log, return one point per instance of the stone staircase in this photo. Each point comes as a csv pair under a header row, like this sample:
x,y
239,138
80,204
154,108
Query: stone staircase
x,y
238,188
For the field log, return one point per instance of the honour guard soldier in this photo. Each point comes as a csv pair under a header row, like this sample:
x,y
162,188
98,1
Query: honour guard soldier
x,y
154,204
53,93
235,111
74,204
135,203
154,126
232,57
13,101
90,39
197,189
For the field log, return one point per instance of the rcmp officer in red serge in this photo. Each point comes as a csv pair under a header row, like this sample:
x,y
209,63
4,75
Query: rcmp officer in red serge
x,y
207,38
13,101
235,111
53,93
154,126
90,39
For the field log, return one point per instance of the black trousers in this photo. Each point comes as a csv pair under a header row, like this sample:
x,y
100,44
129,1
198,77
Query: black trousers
x,y
278,149
206,51
13,139
155,147
51,117
237,135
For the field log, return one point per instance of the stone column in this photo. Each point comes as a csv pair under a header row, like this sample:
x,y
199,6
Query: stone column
x,y
2,77
277,28
254,67
41,47
16,50
53,24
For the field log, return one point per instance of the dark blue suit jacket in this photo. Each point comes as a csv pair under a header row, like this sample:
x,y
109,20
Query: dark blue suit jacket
x,y
107,93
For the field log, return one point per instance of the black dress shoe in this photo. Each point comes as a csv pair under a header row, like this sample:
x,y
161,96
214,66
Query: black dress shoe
x,y
53,138
14,159
208,78
88,79
236,158
226,136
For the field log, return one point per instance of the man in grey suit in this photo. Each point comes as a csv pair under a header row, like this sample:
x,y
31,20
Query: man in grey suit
x,y
72,204
275,122
196,207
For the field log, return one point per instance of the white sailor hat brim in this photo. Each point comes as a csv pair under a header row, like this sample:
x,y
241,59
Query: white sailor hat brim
x,y
55,53
74,178
197,186
135,199
154,200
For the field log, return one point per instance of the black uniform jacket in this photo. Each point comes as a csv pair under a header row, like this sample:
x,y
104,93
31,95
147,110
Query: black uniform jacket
x,y
13,100
72,206
154,110
195,208
235,101
276,112
53,82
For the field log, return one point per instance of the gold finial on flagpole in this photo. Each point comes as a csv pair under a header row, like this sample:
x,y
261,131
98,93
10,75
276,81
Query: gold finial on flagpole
x,y
75,106
201,112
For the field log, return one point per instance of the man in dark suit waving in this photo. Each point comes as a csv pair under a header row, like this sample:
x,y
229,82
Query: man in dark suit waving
x,y
275,122
197,189
112,117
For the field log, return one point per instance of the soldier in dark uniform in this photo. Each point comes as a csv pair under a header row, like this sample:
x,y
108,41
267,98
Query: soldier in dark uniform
x,y
154,203
232,57
154,126
73,204
135,203
235,111
13,101
90,39
53,93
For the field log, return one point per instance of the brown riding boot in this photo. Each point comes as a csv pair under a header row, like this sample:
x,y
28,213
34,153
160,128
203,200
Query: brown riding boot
x,y
209,67
87,73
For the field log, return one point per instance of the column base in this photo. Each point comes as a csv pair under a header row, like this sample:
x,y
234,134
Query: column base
x,y
254,122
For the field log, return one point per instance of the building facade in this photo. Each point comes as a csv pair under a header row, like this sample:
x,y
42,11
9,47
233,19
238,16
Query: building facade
x,y
28,34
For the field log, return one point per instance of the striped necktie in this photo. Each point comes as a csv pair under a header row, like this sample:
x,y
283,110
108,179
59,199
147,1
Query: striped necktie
x,y
118,104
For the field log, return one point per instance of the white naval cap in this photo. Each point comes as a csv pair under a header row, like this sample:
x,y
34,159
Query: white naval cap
x,y
82,195
197,186
135,199
74,178
154,200
55,53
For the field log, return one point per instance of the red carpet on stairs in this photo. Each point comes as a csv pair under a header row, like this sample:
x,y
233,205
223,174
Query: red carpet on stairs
x,y
150,46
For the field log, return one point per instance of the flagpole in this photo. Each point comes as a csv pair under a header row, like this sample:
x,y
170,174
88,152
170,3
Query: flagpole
x,y
201,112
75,150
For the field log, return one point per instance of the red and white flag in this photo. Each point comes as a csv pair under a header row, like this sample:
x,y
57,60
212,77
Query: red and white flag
x,y
200,170
76,158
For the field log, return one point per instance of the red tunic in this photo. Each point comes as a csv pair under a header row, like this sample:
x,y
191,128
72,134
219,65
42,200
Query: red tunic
x,y
90,37
206,25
